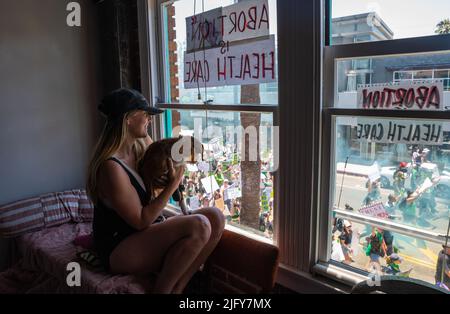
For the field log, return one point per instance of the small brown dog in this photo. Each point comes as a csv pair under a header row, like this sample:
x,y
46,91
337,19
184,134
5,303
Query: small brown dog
x,y
154,168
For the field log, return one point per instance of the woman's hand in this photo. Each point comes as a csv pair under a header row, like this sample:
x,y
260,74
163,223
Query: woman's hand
x,y
175,174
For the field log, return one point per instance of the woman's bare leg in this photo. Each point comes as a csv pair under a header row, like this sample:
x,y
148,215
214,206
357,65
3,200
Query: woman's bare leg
x,y
217,221
168,248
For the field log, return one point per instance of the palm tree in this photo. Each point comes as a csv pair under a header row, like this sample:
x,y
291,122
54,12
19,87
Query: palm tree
x,y
443,27
250,169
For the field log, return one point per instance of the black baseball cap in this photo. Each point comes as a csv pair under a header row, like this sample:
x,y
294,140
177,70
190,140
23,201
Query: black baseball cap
x,y
123,100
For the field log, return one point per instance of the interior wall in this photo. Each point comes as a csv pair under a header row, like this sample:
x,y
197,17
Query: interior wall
x,y
49,91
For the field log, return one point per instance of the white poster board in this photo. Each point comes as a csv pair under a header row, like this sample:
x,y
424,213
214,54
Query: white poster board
x,y
203,166
232,193
399,131
406,95
191,167
208,183
246,19
217,27
194,203
374,172
374,210
240,64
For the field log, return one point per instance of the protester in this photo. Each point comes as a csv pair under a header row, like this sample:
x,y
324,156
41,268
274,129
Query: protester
x,y
442,276
346,242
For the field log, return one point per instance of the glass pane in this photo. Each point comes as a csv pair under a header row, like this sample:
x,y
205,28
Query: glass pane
x,y
369,20
174,32
411,256
403,76
442,74
398,171
242,187
351,73
420,75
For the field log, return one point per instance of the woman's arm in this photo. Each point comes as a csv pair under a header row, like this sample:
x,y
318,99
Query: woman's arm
x,y
119,193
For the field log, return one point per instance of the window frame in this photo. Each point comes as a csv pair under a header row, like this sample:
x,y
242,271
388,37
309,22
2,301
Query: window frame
x,y
333,54
152,43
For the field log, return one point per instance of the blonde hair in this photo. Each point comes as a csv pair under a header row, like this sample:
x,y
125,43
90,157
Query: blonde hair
x,y
111,139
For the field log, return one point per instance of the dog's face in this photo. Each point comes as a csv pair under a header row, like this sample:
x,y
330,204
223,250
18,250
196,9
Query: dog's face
x,y
154,165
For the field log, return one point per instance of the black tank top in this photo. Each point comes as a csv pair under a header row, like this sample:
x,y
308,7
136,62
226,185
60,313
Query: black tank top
x,y
109,229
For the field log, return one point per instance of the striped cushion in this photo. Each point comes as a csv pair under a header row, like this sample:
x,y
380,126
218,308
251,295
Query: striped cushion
x,y
47,210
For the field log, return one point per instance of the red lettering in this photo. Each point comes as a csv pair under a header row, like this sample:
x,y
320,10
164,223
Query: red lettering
x,y
434,98
389,92
194,72
400,96
271,67
367,99
252,18
247,67
188,65
206,67
422,92
264,17
224,72
376,99
256,66
230,58
410,98
242,65
199,71
222,24
244,20
233,21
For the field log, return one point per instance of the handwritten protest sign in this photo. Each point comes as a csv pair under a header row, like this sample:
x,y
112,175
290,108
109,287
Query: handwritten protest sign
x,y
217,27
246,19
407,95
210,184
248,63
191,168
194,203
374,172
399,131
374,210
203,166
425,185
232,193
219,203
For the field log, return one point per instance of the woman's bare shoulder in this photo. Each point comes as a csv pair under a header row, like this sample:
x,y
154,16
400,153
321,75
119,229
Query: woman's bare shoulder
x,y
111,176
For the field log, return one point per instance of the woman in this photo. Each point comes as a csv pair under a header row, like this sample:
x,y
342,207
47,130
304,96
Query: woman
x,y
130,234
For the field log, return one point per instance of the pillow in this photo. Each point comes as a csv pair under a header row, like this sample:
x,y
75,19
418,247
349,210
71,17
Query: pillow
x,y
63,207
44,211
20,217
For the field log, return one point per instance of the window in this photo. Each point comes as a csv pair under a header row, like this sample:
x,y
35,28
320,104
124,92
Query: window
x,y
368,20
224,118
174,17
353,72
438,74
385,163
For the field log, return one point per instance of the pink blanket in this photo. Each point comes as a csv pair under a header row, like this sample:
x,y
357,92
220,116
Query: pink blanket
x,y
45,255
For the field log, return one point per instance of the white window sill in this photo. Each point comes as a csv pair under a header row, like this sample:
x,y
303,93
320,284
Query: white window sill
x,y
340,274
171,210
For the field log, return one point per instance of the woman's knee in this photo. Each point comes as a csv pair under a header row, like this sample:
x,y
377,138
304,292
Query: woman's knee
x,y
200,227
216,218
